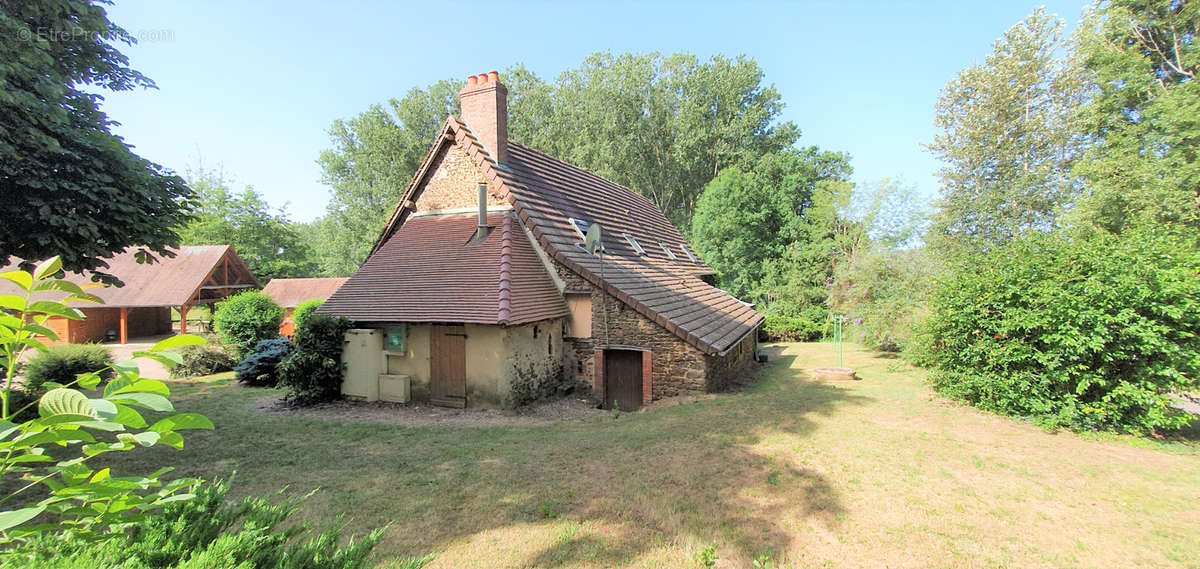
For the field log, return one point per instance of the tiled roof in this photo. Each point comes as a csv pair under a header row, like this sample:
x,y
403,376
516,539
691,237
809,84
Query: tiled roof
x,y
291,292
170,281
431,270
546,192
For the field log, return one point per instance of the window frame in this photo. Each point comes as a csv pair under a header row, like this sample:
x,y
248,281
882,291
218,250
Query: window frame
x,y
633,242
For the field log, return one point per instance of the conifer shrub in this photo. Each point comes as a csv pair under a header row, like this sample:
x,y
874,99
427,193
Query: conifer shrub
x,y
259,369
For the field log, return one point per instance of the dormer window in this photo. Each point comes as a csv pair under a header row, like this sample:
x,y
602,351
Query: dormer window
x,y
667,250
687,252
633,243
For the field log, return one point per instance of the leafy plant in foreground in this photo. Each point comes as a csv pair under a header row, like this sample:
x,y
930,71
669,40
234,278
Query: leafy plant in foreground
x,y
61,364
75,498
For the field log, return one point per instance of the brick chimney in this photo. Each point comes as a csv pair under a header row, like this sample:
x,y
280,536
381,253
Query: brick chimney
x,y
485,110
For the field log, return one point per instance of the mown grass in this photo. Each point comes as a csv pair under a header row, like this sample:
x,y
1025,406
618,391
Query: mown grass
x,y
874,473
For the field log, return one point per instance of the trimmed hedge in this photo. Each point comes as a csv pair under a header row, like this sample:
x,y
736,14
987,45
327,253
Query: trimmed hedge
x,y
792,329
60,364
1085,334
245,319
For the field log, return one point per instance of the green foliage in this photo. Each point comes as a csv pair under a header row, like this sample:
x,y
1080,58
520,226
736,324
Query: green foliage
x,y
70,186
306,309
199,361
312,372
214,531
72,497
757,228
707,555
259,368
793,328
1143,117
661,125
1006,140
1087,334
264,238
883,293
61,364
245,319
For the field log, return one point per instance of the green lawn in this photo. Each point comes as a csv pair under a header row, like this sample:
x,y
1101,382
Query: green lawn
x,y
874,473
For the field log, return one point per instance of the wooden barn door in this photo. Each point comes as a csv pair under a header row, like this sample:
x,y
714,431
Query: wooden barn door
x,y
623,379
448,365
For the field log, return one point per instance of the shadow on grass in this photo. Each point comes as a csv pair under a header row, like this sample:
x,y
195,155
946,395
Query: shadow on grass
x,y
693,473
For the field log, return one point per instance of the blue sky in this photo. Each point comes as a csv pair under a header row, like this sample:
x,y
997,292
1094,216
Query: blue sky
x,y
251,87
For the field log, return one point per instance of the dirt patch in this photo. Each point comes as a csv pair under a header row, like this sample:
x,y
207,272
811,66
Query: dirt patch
x,y
569,408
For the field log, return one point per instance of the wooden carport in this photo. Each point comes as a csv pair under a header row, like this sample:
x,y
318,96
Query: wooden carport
x,y
197,274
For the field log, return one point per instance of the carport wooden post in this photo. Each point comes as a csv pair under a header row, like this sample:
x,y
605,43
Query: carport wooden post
x,y
124,325
183,310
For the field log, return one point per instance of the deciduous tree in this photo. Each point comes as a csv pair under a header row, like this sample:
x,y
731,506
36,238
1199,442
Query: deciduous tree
x,y
70,186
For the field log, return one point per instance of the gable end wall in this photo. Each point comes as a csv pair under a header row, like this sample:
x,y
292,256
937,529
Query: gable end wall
x,y
452,182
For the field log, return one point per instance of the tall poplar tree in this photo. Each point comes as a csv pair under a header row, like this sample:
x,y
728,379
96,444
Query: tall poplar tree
x,y
1006,140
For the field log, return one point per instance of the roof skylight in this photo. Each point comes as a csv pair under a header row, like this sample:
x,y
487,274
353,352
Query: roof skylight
x,y
687,252
667,250
633,243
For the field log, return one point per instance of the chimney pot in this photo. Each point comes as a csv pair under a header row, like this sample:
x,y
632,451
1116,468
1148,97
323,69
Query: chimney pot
x,y
484,103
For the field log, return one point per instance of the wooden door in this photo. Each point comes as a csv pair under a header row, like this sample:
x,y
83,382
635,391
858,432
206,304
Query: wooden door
x,y
448,365
623,379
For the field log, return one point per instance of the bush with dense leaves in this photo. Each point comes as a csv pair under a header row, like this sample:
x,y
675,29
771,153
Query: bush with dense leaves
x,y
202,360
306,309
213,531
1086,334
792,329
60,364
883,293
312,372
245,319
259,369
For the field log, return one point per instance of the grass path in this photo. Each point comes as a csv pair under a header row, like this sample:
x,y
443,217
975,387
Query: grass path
x,y
875,473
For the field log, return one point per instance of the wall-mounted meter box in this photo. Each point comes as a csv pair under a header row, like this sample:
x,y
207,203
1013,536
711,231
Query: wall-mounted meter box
x,y
393,339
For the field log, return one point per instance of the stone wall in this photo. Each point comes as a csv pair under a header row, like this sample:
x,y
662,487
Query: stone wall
x,y
677,367
453,182
721,370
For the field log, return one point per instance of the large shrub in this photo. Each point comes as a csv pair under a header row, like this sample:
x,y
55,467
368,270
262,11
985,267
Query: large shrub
x,y
259,368
202,360
245,319
312,372
883,293
1094,334
60,364
306,309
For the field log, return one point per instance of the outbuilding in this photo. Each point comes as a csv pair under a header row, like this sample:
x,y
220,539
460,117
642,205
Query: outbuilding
x,y
195,275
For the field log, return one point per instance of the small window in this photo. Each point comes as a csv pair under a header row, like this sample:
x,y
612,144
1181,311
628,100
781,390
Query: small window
x,y
633,243
580,226
667,250
687,252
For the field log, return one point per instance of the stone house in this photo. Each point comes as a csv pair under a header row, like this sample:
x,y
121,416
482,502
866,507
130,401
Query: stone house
x,y
479,290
